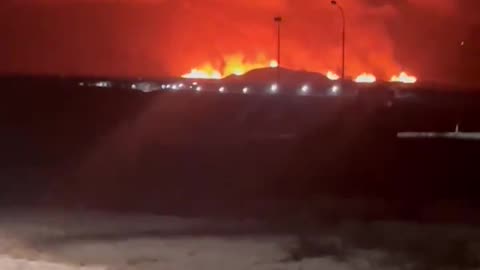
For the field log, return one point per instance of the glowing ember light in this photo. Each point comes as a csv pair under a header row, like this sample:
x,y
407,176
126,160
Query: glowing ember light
x,y
203,74
245,90
404,78
232,65
238,71
332,76
273,64
366,78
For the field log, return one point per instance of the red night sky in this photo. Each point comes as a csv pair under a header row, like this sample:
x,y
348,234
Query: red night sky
x,y
169,37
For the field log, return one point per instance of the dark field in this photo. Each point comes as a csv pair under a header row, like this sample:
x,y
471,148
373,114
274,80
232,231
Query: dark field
x,y
211,154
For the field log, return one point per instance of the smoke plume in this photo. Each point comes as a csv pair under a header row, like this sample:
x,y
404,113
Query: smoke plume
x,y
428,38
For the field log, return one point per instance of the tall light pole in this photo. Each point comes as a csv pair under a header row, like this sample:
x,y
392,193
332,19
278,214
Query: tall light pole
x,y
278,21
343,36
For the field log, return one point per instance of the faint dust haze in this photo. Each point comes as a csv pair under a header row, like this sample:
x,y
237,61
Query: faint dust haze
x,y
435,40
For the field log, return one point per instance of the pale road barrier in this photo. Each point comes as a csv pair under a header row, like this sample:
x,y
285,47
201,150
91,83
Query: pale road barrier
x,y
439,135
9,263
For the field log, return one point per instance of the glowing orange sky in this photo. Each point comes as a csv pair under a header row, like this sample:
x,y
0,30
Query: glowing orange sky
x,y
167,37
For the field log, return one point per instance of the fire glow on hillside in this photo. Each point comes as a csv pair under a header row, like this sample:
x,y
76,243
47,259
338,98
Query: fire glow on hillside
x,y
332,76
232,65
365,78
238,65
404,78
160,38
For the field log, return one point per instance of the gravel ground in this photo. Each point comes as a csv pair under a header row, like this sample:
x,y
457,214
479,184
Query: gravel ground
x,y
93,240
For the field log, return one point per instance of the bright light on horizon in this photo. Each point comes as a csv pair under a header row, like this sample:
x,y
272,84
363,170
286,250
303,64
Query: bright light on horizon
x,y
239,64
273,63
403,77
335,89
206,73
274,88
332,76
365,78
234,64
305,88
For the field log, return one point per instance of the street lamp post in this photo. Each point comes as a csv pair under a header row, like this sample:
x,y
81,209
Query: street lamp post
x,y
278,21
343,36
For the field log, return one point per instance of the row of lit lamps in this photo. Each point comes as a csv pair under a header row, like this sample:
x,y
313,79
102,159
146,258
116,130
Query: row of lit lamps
x,y
273,88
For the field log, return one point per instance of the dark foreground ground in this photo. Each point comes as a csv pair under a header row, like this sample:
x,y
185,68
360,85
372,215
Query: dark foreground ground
x,y
230,155
90,240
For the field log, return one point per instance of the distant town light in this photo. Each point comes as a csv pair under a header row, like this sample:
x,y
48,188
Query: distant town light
x,y
194,83
174,87
221,89
163,86
198,89
102,84
133,86
245,90
305,89
180,85
335,89
168,86
274,88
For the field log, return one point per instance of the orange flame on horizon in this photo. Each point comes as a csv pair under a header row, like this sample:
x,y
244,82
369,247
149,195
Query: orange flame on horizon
x,y
403,78
365,78
273,63
332,76
233,65
237,64
205,72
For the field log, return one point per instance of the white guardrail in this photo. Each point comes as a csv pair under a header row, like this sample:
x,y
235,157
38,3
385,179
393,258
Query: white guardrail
x,y
440,135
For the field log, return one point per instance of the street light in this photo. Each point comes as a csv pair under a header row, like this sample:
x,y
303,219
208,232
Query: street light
x,y
278,21
343,36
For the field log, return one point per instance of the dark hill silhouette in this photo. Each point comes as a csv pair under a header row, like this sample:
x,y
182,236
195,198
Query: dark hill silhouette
x,y
287,77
